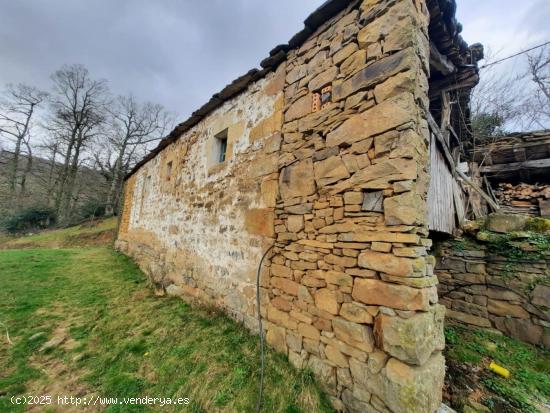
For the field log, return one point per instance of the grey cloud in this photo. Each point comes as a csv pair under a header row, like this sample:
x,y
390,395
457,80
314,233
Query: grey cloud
x,y
172,52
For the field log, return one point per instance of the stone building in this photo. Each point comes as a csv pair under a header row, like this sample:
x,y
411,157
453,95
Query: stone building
x,y
323,154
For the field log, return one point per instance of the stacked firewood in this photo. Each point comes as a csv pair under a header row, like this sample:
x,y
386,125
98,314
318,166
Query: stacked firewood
x,y
522,198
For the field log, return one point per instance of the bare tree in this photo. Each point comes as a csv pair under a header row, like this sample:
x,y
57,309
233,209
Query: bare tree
x,y
78,110
17,111
132,128
539,102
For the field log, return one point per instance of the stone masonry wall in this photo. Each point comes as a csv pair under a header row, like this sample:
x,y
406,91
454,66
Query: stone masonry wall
x,y
351,290
327,161
197,227
513,296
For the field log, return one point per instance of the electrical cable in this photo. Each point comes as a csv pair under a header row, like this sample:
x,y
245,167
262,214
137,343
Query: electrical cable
x,y
260,326
514,55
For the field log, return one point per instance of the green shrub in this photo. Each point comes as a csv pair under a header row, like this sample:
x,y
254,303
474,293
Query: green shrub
x,y
538,224
36,217
91,209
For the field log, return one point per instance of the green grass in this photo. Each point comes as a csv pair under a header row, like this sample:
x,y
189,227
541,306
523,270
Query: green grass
x,y
529,383
122,341
80,235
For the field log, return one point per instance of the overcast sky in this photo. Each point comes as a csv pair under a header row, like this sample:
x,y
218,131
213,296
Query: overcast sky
x,y
179,52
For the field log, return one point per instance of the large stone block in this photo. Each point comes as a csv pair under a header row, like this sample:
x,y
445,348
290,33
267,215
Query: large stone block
x,y
381,22
286,285
330,170
260,222
387,115
402,82
295,223
334,355
323,79
389,170
407,389
323,371
412,340
405,209
468,318
344,53
356,313
297,180
375,73
498,222
541,295
298,109
270,192
521,329
354,334
400,297
385,262
506,309
275,337
326,300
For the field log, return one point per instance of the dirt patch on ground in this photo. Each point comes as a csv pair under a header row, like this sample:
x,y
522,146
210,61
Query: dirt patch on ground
x,y
60,379
93,239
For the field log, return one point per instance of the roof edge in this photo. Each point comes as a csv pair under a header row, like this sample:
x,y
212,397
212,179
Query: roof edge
x,y
277,55
448,28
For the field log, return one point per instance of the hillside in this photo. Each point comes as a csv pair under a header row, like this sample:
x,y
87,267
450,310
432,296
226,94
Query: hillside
x,y
91,233
91,185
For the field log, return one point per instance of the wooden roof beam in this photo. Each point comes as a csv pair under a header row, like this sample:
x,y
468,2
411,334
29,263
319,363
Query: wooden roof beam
x,y
440,62
516,166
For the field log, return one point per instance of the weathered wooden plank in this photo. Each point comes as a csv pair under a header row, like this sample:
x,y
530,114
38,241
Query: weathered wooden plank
x,y
515,166
441,208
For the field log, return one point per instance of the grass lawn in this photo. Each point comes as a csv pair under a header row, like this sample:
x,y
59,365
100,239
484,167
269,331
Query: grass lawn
x,y
84,323
469,351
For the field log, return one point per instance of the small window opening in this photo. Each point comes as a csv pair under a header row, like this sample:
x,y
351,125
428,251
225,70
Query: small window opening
x,y
221,146
168,170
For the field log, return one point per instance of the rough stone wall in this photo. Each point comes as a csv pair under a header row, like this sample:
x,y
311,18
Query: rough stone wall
x,y
513,296
127,206
198,227
351,290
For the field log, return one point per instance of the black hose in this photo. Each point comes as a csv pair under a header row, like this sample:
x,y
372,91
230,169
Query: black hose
x,y
260,326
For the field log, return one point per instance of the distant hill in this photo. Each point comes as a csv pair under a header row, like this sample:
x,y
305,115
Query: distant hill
x,y
40,181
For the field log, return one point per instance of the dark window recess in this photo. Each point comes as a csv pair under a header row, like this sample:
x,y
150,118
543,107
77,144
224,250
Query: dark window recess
x,y
221,143
168,170
373,201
